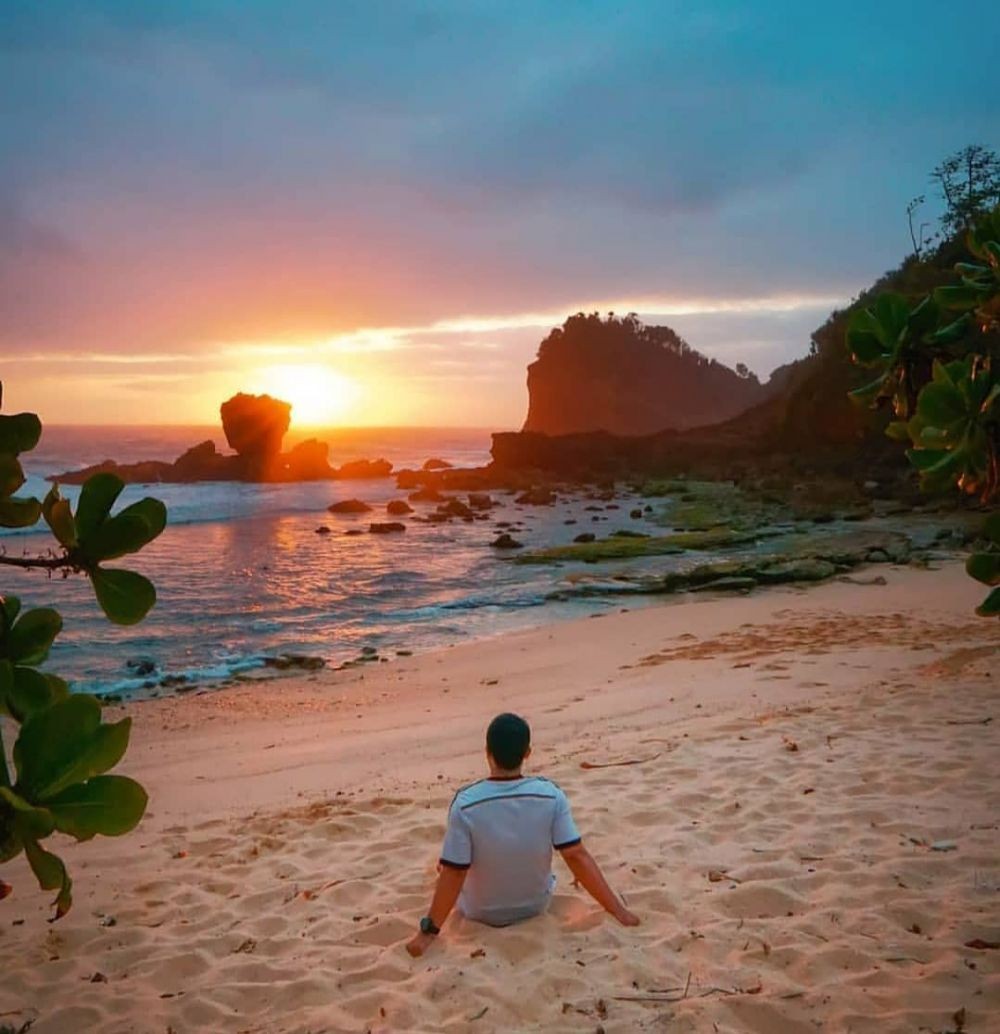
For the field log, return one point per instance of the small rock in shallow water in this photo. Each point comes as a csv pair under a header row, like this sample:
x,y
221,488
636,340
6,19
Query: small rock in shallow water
x,y
322,530
585,536
536,497
386,527
284,661
506,541
455,508
426,495
349,506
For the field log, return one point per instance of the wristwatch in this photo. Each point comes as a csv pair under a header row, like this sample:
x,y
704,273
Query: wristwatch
x,y
427,925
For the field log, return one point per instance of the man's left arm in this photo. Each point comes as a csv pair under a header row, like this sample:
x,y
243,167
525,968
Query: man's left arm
x,y
456,857
449,886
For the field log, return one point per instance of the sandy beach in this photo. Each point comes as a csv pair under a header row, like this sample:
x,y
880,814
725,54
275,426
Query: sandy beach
x,y
798,792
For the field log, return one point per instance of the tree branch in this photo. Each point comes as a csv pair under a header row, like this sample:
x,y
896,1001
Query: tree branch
x,y
54,563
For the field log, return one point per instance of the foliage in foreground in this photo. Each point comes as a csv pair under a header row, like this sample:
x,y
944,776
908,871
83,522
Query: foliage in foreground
x,y
937,366
63,749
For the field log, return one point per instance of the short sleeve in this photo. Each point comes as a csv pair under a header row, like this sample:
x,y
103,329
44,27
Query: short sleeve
x,y
564,831
457,849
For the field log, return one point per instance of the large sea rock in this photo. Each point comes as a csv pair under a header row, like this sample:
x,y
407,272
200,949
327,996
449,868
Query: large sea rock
x,y
255,425
308,461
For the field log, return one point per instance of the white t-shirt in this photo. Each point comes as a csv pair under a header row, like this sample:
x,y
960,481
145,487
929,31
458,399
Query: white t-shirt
x,y
503,831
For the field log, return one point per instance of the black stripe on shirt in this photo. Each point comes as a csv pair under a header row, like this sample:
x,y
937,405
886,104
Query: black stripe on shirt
x,y
569,843
508,797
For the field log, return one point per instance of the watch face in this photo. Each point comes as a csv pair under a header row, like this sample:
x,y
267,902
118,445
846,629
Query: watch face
x,y
427,925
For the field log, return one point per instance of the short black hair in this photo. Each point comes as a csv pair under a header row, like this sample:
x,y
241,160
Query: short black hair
x,y
507,739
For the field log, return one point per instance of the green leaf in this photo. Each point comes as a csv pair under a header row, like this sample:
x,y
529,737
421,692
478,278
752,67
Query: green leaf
x,y
51,875
116,537
891,312
19,513
10,847
991,528
32,635
868,393
32,822
898,431
127,532
984,567
126,597
59,517
97,496
863,339
19,432
32,691
6,686
941,405
59,688
991,399
108,805
11,607
927,459
957,297
940,373
923,317
152,511
990,607
11,474
971,269
933,438
952,332
65,744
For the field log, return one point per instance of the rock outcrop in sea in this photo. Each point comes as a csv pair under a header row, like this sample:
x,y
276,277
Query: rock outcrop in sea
x,y
254,426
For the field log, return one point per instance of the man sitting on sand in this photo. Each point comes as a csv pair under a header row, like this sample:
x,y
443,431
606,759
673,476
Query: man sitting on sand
x,y
497,856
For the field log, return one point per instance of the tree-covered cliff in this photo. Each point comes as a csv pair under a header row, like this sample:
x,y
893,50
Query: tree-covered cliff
x,y
617,374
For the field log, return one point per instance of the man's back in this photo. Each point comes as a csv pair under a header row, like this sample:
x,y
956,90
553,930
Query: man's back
x,y
503,831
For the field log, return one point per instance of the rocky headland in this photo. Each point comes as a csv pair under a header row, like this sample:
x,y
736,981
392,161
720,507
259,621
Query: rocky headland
x,y
620,376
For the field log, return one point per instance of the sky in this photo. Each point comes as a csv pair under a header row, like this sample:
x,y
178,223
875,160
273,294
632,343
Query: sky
x,y
379,209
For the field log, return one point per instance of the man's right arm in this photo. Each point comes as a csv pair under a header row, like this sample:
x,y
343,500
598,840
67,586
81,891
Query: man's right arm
x,y
588,874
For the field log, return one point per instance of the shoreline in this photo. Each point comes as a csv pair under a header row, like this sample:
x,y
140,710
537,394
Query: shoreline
x,y
293,828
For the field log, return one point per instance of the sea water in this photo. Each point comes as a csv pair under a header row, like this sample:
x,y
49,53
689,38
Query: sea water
x,y
241,574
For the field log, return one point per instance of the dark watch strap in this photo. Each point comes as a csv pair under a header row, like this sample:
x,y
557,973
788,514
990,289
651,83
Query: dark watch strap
x,y
427,925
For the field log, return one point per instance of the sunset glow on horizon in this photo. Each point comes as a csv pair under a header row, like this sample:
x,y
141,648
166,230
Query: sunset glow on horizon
x,y
319,395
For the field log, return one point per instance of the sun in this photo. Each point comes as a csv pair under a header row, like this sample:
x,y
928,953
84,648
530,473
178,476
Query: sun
x,y
319,395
